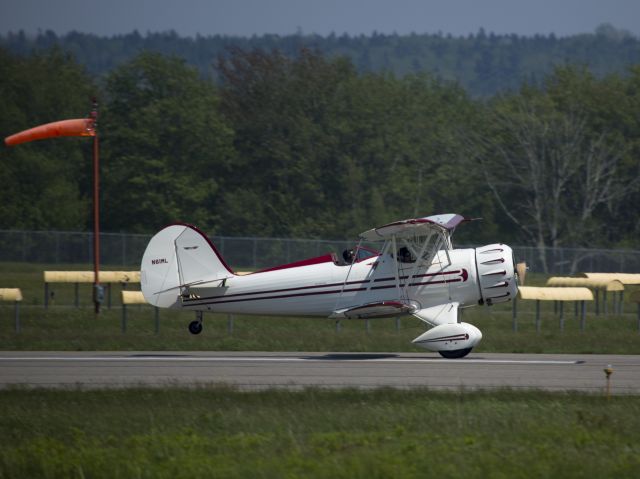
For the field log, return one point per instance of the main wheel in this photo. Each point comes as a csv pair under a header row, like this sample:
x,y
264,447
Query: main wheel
x,y
458,353
195,327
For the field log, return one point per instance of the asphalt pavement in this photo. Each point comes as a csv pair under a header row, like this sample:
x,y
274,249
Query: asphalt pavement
x,y
260,370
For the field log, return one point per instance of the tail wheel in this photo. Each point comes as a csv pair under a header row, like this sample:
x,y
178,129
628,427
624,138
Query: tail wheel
x,y
458,353
195,327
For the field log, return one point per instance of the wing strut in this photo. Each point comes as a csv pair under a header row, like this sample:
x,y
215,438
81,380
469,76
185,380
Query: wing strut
x,y
416,265
396,268
353,260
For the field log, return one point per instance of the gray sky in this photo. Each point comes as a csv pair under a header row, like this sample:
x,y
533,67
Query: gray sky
x,y
248,17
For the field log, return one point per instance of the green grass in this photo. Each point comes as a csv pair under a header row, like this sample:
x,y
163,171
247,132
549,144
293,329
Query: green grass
x,y
80,330
222,432
63,327
218,432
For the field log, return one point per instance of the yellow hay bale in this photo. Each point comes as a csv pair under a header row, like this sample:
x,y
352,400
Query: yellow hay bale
x,y
10,294
88,276
119,276
605,284
555,294
624,278
133,297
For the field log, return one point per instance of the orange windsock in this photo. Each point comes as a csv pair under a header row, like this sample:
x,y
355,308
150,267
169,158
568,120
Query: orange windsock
x,y
79,127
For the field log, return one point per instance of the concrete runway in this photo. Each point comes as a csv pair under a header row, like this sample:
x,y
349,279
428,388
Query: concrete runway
x,y
250,370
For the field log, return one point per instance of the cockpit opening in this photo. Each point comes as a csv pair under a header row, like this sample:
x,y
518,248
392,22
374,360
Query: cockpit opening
x,y
356,255
421,247
405,256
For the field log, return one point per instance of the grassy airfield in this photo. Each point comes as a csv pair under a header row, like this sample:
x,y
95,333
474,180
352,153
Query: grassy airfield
x,y
213,432
69,329
222,432
64,327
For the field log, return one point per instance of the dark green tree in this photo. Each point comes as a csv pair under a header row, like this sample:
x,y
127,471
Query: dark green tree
x,y
167,151
554,158
45,184
331,153
282,113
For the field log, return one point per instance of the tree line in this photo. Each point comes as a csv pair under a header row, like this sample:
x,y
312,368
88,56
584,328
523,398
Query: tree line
x,y
308,146
483,63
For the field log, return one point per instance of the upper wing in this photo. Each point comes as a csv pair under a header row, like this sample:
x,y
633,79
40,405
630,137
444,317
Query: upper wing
x,y
444,223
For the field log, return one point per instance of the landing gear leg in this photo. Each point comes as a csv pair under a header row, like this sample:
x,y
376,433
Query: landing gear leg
x,y
195,327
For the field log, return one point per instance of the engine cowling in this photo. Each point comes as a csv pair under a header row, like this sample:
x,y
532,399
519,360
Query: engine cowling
x,y
496,274
449,337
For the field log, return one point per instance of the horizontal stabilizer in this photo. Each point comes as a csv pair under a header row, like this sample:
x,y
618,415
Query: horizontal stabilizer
x,y
382,309
215,284
442,314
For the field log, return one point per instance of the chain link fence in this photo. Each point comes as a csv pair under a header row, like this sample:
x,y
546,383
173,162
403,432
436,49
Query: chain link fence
x,y
125,250
569,261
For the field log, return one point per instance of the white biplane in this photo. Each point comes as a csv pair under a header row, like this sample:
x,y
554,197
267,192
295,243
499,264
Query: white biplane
x,y
415,272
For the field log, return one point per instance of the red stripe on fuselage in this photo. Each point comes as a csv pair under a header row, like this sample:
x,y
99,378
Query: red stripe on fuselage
x,y
426,275
225,298
275,297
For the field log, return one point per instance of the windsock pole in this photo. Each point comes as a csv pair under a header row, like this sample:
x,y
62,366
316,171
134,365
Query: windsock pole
x,y
98,292
75,127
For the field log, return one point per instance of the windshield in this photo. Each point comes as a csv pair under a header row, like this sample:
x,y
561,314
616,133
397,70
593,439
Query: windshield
x,y
365,253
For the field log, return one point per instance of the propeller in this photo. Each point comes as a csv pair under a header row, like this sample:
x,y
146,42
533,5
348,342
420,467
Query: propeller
x,y
521,269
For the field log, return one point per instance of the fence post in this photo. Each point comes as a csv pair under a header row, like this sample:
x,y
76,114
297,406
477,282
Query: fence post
x,y
230,318
561,315
397,323
57,247
124,250
537,316
621,263
583,315
514,315
255,252
77,301
621,311
17,312
123,325
46,295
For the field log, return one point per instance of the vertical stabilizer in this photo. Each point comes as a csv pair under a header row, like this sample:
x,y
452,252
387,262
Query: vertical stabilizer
x,y
178,256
